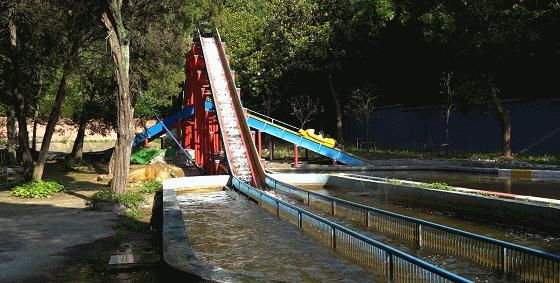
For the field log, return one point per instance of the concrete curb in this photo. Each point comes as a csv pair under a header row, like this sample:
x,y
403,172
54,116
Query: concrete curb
x,y
534,175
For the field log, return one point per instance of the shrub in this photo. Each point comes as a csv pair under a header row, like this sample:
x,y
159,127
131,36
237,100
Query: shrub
x,y
128,199
150,187
37,189
436,186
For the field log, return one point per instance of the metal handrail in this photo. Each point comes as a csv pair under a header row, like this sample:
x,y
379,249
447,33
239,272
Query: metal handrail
x,y
272,120
428,224
335,226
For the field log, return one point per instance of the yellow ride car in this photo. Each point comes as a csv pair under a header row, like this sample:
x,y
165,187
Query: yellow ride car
x,y
310,134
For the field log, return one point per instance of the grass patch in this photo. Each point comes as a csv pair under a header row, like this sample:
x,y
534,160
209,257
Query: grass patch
x,y
436,186
37,189
382,154
392,181
132,221
150,187
131,200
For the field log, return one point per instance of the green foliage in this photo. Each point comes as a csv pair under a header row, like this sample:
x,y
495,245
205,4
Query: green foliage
x,y
37,189
392,181
150,187
131,200
436,186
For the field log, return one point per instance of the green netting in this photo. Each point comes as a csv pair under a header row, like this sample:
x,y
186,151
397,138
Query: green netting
x,y
144,155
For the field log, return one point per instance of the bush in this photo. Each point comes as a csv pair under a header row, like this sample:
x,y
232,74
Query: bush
x,y
37,189
150,187
128,199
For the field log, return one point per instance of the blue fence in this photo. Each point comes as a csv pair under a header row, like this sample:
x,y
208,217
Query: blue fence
x,y
513,261
392,263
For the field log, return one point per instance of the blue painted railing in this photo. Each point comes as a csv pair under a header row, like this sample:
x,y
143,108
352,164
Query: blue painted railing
x,y
511,260
396,265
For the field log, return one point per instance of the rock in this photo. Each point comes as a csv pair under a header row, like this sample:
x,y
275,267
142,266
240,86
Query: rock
x,y
157,171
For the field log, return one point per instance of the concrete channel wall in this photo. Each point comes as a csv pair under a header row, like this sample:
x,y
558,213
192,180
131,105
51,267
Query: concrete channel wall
x,y
529,213
526,174
177,251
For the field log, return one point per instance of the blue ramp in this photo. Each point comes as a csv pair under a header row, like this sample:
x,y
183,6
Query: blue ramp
x,y
157,130
289,133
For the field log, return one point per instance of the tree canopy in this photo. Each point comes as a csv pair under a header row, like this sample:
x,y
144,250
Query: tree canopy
x,y
54,51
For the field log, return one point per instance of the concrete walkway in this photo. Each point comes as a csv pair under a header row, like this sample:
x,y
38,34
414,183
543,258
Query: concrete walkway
x,y
35,234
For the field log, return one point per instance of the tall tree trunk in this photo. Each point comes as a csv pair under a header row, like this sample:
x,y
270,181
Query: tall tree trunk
x,y
78,147
54,116
505,121
35,125
120,49
338,109
446,129
36,114
18,99
367,129
11,130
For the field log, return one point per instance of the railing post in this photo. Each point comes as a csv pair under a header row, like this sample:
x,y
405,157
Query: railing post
x,y
308,199
300,223
503,255
366,217
277,209
419,235
389,260
333,237
333,207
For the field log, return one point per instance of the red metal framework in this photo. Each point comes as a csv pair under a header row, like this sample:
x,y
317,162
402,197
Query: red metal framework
x,y
200,133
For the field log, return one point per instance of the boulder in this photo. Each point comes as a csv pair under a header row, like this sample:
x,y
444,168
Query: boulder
x,y
156,171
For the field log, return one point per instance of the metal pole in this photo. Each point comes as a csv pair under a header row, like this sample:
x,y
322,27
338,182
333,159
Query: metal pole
x,y
296,157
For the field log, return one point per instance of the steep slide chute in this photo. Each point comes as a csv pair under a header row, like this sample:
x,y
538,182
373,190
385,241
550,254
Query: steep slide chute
x,y
240,149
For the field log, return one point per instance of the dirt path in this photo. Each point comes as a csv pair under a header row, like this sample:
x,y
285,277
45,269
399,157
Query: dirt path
x,y
36,233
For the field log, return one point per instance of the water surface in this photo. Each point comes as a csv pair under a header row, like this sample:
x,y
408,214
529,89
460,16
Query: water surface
x,y
238,235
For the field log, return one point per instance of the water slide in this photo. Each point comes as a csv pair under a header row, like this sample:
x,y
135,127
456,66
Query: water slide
x,y
243,159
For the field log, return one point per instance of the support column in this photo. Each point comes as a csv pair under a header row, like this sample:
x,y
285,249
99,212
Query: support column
x,y
259,138
296,157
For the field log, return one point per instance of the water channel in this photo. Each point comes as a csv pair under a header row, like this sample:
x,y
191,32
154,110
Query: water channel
x,y
449,262
230,232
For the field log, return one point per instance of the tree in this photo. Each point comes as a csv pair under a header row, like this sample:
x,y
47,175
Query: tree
x,y
95,87
504,117
305,108
449,92
120,49
361,105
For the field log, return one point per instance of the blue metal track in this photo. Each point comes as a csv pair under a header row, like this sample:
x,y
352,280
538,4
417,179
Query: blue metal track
x,y
157,130
293,137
